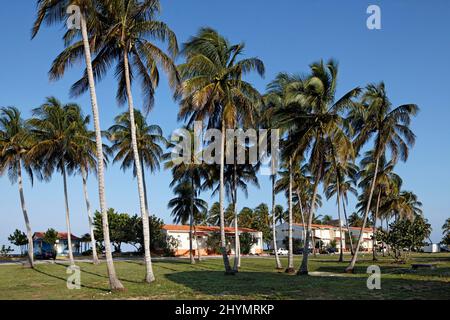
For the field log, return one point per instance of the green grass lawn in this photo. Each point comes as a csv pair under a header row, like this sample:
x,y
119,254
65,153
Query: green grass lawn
x,y
258,279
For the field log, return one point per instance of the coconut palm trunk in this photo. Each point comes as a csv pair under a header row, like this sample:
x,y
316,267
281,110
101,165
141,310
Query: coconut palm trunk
x,y
199,254
191,226
90,217
351,267
191,238
223,241
304,266
69,230
348,227
237,241
150,277
145,184
374,251
290,267
302,213
341,244
114,282
25,216
274,230
237,244
236,265
382,242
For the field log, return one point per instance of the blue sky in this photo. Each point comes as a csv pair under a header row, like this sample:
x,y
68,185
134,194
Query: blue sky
x,y
410,53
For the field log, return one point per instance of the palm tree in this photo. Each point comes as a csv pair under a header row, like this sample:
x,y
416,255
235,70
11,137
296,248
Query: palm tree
x,y
54,11
314,117
327,219
280,214
186,206
192,171
446,227
340,166
123,38
213,91
403,204
150,142
274,222
301,183
15,142
273,100
275,103
235,177
389,127
56,130
355,220
387,184
85,162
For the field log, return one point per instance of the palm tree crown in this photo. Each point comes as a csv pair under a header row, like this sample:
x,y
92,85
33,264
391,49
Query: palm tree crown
x,y
127,26
150,142
186,201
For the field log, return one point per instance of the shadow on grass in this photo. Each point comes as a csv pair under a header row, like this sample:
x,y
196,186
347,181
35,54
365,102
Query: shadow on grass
x,y
84,270
431,259
251,284
389,269
359,269
268,285
65,280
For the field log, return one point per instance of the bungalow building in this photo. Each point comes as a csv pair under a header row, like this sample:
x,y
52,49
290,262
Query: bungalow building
x,y
201,235
42,248
325,235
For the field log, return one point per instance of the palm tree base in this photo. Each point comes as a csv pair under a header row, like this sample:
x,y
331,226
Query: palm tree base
x,y
290,270
27,264
350,270
230,273
302,273
123,289
118,287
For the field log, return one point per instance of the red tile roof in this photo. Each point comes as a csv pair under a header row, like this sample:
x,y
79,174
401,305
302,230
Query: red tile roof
x,y
61,236
317,226
204,229
325,226
359,228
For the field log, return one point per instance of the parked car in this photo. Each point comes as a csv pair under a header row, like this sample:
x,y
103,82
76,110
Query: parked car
x,y
47,255
331,250
281,252
300,251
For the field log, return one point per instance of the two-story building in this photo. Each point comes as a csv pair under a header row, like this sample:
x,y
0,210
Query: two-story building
x,y
325,235
201,234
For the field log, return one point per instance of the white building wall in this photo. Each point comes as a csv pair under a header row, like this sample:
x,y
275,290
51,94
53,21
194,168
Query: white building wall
x,y
183,241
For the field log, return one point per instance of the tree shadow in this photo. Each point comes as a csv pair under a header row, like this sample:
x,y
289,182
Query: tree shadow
x,y
271,285
359,269
65,280
431,259
84,270
389,269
